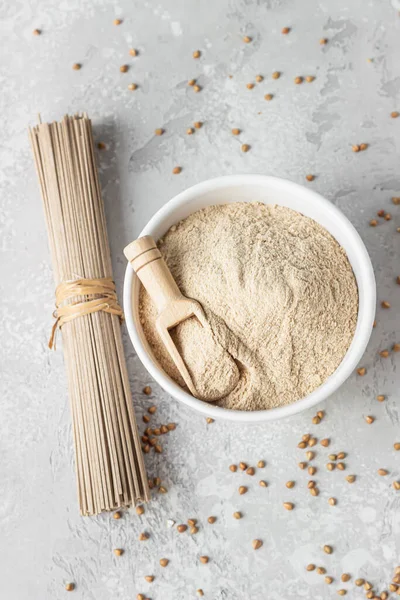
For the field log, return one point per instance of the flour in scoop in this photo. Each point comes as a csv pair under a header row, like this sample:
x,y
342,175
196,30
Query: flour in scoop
x,y
279,294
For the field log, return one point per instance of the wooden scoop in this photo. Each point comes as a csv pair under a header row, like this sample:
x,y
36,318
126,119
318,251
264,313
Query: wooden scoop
x,y
172,306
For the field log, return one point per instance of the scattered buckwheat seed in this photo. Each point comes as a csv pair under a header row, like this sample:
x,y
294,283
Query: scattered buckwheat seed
x,y
310,177
164,562
204,559
276,75
328,549
247,39
256,544
69,587
370,419
361,371
288,505
76,66
242,490
118,552
332,501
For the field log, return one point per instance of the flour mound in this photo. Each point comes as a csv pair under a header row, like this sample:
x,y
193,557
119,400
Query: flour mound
x,y
279,294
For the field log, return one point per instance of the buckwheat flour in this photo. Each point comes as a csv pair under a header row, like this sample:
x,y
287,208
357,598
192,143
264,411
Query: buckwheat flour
x,y
280,296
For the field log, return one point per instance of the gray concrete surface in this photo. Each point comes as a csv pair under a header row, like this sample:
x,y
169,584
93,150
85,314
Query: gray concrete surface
x,y
305,129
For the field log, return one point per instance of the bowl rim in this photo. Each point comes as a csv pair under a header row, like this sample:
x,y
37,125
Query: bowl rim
x,y
349,362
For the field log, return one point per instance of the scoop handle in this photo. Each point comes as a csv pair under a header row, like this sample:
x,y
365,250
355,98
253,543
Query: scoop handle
x,y
153,272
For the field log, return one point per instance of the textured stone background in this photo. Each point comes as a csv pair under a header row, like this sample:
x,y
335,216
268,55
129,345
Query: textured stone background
x,y
305,129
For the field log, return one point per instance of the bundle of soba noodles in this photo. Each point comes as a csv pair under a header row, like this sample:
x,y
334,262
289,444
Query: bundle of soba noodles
x,y
109,462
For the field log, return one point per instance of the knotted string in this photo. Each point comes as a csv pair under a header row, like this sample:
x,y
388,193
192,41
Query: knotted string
x,y
105,300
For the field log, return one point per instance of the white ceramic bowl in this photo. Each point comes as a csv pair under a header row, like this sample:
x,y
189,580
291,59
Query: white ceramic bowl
x,y
270,190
